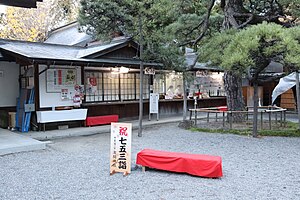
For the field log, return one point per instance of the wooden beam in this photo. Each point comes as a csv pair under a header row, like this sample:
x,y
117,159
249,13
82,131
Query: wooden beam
x,y
14,57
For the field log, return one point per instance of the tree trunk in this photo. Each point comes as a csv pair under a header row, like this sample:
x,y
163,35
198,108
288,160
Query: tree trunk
x,y
235,14
232,81
235,100
255,109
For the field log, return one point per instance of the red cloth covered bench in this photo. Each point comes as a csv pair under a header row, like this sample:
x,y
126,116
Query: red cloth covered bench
x,y
222,108
98,120
194,164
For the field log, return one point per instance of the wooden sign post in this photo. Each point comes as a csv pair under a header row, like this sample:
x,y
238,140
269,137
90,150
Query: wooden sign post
x,y
120,148
153,105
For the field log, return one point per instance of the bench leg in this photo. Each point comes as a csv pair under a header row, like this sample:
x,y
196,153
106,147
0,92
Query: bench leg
x,y
125,173
112,172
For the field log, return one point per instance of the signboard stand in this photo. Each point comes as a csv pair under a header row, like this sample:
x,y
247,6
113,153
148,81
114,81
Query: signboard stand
x,y
120,148
157,116
153,105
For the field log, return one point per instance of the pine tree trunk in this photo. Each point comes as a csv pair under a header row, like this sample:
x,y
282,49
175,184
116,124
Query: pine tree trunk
x,y
230,8
232,81
235,100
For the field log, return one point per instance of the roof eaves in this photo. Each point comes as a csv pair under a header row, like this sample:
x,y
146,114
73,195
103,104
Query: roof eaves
x,y
206,66
99,62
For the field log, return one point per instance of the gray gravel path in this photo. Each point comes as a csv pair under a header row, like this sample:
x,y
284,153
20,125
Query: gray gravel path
x,y
78,168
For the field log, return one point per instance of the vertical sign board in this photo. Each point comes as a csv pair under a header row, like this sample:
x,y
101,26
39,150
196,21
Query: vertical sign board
x,y
120,148
154,102
64,94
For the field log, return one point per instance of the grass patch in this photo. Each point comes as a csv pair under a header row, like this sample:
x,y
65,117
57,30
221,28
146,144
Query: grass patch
x,y
232,131
291,130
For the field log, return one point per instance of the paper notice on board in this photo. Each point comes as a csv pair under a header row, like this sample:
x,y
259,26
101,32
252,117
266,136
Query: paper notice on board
x,y
64,94
154,98
60,78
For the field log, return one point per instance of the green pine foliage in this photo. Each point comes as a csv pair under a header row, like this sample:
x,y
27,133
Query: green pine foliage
x,y
253,48
103,18
166,24
293,49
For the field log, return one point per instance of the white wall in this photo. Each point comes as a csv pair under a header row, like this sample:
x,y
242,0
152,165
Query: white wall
x,y
50,99
9,84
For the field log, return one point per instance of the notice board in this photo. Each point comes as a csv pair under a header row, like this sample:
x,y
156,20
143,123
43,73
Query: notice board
x,y
154,98
59,78
120,148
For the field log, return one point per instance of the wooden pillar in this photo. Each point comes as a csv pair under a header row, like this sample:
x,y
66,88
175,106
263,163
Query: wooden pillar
x,y
223,119
281,118
82,75
36,86
195,117
230,120
261,120
270,121
184,96
151,82
82,80
208,116
141,102
298,97
284,119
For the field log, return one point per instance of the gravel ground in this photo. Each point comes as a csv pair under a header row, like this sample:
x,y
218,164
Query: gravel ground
x,y
78,168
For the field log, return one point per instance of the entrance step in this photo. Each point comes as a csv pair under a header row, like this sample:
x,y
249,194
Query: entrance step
x,y
14,143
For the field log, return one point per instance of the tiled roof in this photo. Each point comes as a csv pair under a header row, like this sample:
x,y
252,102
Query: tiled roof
x,y
69,35
44,51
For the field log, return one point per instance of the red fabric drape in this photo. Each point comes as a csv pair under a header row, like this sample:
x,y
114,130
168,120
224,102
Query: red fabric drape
x,y
98,120
194,164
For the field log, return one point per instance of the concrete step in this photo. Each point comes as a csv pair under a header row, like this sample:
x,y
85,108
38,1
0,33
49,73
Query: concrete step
x,y
14,143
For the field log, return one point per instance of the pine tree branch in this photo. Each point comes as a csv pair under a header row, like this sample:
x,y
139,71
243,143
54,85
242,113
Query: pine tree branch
x,y
206,23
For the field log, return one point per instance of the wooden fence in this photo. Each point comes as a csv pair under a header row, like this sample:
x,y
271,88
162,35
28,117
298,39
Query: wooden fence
x,y
269,110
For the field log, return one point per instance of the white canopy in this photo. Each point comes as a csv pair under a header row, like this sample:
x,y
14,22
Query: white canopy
x,y
284,85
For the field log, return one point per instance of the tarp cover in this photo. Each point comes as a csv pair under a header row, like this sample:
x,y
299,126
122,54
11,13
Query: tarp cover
x,y
284,85
194,164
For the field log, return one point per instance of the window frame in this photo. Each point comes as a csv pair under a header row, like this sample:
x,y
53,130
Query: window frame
x,y
119,93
